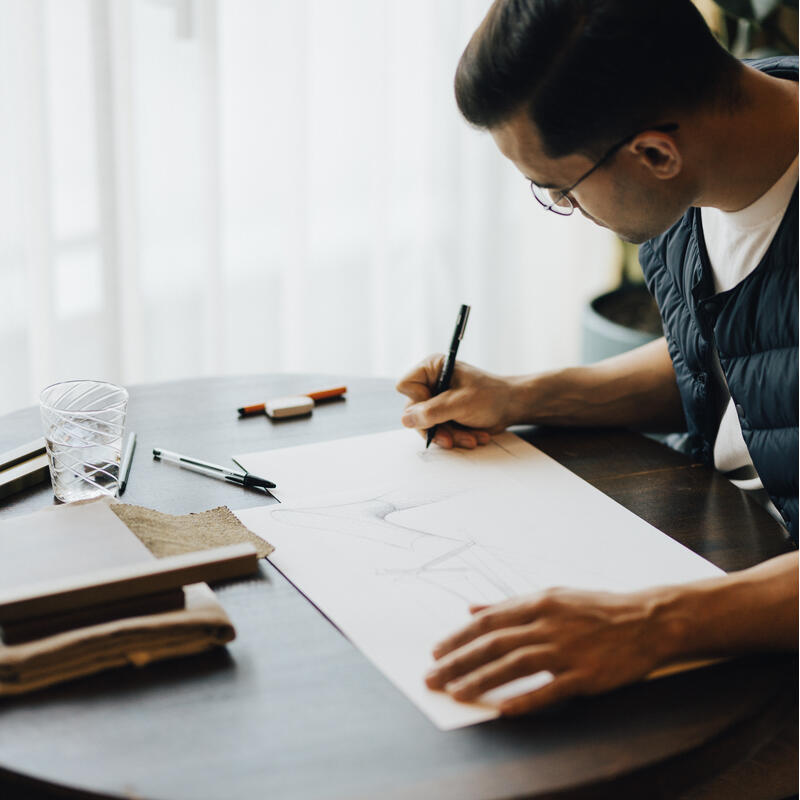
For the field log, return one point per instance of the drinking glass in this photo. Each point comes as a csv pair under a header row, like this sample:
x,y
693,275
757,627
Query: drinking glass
x,y
83,425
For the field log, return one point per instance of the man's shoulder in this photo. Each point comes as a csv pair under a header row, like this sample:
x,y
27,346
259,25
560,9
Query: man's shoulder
x,y
675,247
779,66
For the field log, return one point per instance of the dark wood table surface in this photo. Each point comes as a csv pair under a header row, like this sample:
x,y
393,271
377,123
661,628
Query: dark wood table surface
x,y
292,710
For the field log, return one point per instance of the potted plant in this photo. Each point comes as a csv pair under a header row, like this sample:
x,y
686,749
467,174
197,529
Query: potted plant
x,y
624,318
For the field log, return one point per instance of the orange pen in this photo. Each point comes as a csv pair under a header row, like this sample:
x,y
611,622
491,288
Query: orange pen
x,y
325,394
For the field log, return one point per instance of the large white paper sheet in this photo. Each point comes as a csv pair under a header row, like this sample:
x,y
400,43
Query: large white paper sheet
x,y
393,543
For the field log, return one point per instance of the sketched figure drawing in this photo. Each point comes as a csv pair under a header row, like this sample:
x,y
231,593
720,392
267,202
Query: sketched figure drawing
x,y
466,569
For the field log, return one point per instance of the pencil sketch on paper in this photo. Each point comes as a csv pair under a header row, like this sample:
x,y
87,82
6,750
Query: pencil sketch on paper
x,y
404,540
455,563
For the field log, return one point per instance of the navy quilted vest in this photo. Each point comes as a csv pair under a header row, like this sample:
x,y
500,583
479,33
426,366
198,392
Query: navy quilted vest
x,y
754,327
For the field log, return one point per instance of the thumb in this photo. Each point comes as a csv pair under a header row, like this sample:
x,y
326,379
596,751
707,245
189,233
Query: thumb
x,y
417,384
431,412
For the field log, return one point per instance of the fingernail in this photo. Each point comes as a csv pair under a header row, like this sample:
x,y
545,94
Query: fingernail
x,y
484,438
409,420
456,689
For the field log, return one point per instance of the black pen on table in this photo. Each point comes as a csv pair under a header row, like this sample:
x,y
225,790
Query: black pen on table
x,y
244,478
446,375
127,458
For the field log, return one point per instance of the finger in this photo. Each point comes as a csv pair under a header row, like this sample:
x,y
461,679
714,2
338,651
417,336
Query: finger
x,y
482,651
560,688
477,609
435,411
516,664
443,439
418,383
465,439
455,435
503,615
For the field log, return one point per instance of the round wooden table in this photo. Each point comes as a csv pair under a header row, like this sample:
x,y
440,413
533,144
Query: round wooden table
x,y
292,710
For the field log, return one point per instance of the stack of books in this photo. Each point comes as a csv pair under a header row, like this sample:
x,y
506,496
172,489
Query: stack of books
x,y
80,593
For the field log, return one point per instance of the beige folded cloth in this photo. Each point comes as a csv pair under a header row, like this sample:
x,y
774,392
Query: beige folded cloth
x,y
167,535
202,624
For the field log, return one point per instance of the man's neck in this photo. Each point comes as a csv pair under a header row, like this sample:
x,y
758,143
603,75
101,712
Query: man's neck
x,y
743,153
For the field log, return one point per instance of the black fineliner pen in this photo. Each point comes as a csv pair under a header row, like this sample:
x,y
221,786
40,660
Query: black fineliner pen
x,y
446,375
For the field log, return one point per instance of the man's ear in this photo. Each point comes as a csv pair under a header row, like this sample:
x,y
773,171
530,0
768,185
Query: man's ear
x,y
657,152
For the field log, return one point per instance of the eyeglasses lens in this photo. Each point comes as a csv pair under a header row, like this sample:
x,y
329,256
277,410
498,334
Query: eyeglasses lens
x,y
552,200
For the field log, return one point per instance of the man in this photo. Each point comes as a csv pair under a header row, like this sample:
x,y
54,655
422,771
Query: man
x,y
631,113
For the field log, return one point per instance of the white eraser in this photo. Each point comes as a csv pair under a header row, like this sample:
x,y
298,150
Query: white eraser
x,y
280,407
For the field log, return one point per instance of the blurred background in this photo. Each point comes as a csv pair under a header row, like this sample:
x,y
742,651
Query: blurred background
x,y
210,187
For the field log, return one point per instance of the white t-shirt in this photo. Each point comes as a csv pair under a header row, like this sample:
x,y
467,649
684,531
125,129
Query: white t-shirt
x,y
736,242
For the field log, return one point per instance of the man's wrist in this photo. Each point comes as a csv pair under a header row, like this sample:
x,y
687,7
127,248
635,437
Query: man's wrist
x,y
530,399
671,630
747,611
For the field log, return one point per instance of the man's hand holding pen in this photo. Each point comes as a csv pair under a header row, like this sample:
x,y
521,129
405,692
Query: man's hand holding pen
x,y
475,406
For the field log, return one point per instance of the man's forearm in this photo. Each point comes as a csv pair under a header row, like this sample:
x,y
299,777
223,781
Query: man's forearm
x,y
748,611
634,390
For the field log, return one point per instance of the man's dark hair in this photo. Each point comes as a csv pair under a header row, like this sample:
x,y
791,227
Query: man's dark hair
x,y
590,72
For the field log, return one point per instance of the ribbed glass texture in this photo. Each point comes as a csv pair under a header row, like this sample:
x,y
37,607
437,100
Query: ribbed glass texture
x,y
83,425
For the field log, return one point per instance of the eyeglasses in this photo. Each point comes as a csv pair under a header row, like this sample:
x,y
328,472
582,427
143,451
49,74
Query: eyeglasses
x,y
559,201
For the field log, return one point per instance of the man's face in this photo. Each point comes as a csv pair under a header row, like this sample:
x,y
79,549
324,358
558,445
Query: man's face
x,y
622,194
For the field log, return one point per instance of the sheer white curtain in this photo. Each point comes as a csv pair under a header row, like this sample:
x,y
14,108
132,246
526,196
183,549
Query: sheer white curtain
x,y
198,187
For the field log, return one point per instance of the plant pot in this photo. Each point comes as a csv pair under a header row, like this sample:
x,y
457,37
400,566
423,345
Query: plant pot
x,y
619,321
